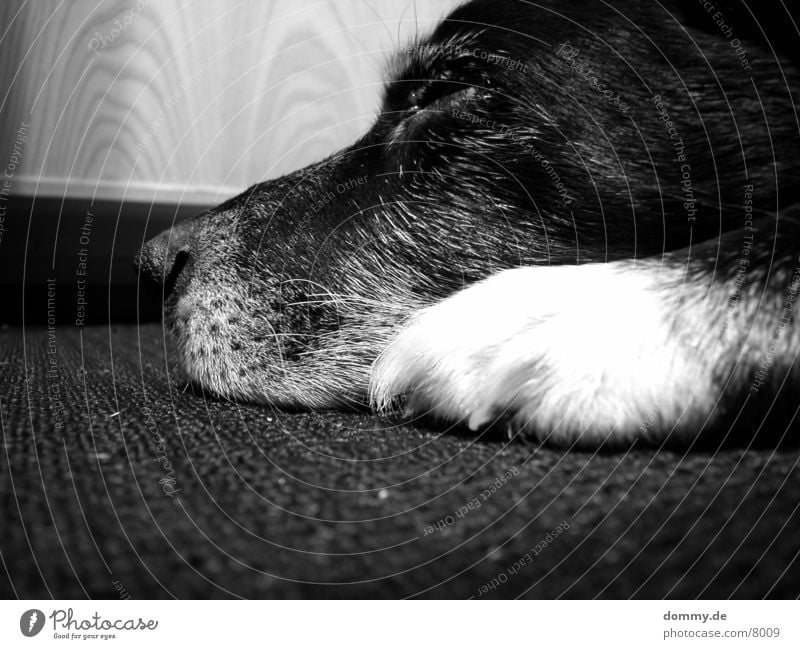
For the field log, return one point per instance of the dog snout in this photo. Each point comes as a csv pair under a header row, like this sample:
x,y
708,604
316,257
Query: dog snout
x,y
162,259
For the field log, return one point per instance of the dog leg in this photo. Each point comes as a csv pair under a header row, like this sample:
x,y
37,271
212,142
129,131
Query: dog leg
x,y
594,352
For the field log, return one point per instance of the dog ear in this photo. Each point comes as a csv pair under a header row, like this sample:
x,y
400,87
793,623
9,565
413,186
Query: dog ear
x,y
770,23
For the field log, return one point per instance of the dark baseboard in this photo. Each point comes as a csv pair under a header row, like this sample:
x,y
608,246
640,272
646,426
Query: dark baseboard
x,y
71,260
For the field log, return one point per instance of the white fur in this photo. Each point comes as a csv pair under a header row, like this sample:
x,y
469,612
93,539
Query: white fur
x,y
565,352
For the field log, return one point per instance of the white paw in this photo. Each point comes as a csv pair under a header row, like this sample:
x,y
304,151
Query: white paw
x,y
565,352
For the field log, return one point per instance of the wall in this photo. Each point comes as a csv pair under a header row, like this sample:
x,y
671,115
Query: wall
x,y
180,101
118,117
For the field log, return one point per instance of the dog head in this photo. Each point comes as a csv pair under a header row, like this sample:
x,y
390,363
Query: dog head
x,y
491,145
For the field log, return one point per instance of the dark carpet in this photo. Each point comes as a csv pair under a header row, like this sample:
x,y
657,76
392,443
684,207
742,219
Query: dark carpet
x,y
115,480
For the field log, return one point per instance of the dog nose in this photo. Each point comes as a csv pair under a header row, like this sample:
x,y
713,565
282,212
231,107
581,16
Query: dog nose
x,y
161,259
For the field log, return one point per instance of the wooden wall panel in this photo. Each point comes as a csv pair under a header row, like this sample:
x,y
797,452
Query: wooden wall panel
x,y
189,101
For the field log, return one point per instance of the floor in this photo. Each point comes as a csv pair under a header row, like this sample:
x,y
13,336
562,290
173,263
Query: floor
x,y
116,481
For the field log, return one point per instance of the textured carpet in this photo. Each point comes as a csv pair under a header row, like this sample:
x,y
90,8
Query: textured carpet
x,y
115,481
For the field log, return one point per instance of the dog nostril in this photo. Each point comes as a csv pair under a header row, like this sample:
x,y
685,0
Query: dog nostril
x,y
163,258
171,277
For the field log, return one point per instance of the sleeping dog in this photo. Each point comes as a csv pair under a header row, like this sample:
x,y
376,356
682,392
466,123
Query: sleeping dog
x,y
576,220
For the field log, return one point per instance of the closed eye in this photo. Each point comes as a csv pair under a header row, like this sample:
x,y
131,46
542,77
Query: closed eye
x,y
438,92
